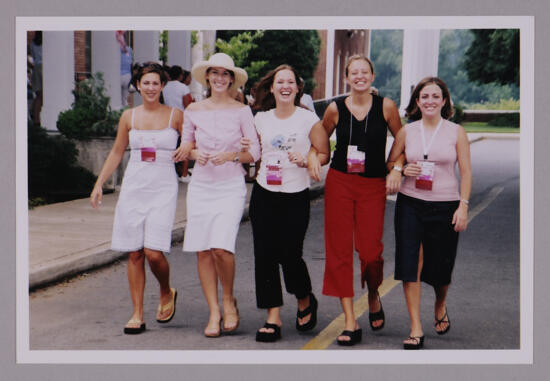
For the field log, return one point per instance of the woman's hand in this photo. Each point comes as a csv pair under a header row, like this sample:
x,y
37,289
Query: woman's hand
x,y
393,182
314,166
412,170
297,158
460,217
222,157
245,144
181,153
200,156
96,196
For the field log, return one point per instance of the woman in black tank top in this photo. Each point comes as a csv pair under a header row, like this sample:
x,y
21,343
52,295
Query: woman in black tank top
x,y
355,193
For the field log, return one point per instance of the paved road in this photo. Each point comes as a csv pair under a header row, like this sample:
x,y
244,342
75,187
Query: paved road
x,y
88,312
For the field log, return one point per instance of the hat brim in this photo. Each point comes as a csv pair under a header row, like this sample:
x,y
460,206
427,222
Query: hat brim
x,y
198,72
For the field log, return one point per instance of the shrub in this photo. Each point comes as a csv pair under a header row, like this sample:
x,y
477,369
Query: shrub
x,y
458,116
90,115
505,120
53,174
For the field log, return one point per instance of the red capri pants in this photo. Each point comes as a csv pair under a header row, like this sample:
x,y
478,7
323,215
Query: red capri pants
x,y
354,213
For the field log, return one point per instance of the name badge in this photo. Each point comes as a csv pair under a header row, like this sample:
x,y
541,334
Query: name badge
x,y
355,160
148,154
274,175
426,177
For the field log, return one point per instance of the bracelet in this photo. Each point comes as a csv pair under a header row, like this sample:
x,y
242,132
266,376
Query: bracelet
x,y
465,201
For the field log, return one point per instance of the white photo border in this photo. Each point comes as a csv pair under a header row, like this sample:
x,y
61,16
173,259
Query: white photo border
x,y
523,355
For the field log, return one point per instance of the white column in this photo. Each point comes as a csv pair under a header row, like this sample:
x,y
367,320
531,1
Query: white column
x,y
179,48
106,59
146,48
203,48
329,75
58,76
420,57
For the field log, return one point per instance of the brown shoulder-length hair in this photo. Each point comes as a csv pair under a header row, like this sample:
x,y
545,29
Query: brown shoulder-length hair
x,y
150,67
412,110
263,97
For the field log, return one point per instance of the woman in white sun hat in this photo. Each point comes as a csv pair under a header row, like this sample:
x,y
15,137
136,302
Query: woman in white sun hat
x,y
212,133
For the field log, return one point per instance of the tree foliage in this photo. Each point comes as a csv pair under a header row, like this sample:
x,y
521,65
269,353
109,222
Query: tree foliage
x,y
52,169
239,47
493,56
451,68
90,115
298,48
387,57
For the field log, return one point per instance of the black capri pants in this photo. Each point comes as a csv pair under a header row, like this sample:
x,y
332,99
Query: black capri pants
x,y
279,224
428,223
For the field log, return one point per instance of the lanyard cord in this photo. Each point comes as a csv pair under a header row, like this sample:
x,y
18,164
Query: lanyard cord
x,y
426,149
351,119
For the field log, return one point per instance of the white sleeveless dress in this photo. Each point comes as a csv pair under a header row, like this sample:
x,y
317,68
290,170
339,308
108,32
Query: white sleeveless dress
x,y
146,206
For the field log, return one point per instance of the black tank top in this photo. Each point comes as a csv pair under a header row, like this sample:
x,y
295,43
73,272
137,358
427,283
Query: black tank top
x,y
373,142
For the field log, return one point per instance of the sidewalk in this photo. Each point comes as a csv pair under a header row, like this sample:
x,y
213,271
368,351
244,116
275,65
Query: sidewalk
x,y
69,238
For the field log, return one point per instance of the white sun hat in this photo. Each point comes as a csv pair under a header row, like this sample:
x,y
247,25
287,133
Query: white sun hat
x,y
198,72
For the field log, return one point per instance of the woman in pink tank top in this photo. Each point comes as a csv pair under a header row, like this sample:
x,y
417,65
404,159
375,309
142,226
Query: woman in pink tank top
x,y
431,207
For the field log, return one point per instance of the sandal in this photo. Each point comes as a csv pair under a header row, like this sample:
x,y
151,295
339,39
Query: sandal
x,y
418,342
269,337
215,333
134,330
354,337
444,319
170,306
233,328
379,315
311,309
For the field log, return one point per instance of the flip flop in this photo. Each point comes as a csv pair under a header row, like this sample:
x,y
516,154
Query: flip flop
x,y
311,309
269,337
170,306
134,330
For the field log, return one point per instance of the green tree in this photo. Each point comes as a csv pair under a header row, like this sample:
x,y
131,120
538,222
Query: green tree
x,y
452,54
238,47
493,56
387,57
298,48
90,115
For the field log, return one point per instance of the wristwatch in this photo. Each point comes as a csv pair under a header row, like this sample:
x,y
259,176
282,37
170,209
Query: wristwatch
x,y
236,159
398,168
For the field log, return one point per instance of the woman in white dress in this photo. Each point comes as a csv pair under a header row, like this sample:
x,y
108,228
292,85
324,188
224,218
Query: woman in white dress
x,y
146,205
211,135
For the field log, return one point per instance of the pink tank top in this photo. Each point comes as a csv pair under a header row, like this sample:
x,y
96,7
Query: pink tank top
x,y
442,152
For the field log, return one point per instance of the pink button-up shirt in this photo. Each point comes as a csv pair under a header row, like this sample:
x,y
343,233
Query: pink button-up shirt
x,y
216,131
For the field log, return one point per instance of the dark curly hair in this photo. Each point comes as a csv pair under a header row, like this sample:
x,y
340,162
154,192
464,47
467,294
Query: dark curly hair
x,y
412,110
263,97
149,67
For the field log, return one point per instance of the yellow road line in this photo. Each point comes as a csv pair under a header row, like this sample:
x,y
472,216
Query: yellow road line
x,y
361,305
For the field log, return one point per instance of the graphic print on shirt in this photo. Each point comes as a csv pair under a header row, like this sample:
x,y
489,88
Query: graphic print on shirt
x,y
274,175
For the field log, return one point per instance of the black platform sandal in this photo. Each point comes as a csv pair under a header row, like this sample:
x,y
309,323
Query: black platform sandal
x,y
379,315
269,337
418,342
354,337
311,309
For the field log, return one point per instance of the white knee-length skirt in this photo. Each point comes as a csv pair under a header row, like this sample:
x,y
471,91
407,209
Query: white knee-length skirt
x,y
214,213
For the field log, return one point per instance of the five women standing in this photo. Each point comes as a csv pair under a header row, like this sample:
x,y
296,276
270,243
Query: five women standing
x,y
220,133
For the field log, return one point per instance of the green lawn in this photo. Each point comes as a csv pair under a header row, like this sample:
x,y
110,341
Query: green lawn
x,y
483,127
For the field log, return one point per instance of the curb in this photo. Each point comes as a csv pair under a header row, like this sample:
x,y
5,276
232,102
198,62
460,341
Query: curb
x,y
74,265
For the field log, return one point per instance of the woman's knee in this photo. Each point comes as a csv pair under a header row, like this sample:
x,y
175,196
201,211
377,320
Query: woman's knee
x,y
220,254
136,257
